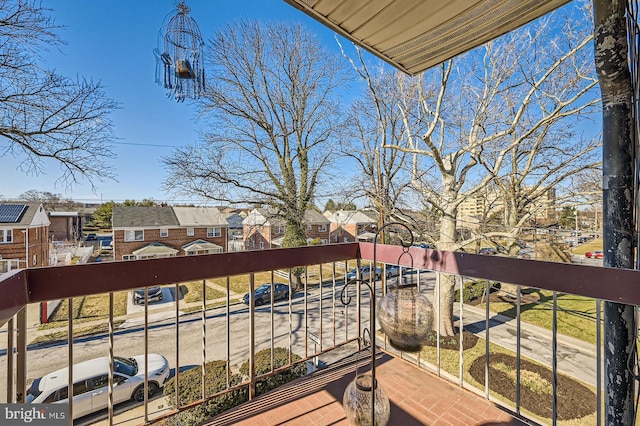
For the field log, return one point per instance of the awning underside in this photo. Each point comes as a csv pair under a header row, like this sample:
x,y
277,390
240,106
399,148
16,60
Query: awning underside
x,y
414,35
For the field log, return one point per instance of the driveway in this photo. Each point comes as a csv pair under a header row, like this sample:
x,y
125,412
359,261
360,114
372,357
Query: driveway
x,y
168,300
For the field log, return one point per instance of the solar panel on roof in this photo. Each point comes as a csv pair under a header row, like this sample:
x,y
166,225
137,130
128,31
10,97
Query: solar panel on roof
x,y
11,213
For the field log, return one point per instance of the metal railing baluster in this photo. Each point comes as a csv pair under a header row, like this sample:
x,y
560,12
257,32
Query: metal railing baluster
x,y
204,338
252,337
111,345
518,340
10,357
554,362
70,359
487,293
599,368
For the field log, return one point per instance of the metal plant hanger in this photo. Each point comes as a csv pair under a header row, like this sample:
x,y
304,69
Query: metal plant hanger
x,y
180,61
406,317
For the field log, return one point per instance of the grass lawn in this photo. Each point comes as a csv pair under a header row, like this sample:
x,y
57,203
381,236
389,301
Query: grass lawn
x,y
575,316
192,292
77,331
87,308
595,244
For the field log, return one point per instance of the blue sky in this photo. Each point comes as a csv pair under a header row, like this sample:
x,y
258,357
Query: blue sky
x,y
112,42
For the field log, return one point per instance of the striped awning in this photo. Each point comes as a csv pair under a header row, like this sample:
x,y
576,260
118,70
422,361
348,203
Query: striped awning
x,y
414,35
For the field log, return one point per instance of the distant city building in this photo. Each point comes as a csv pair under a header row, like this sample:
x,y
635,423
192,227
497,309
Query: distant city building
x,y
488,204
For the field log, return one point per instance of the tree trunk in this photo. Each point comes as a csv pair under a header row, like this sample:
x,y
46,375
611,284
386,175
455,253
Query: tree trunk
x,y
445,291
294,236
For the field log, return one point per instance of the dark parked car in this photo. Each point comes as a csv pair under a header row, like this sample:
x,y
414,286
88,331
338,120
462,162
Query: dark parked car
x,y
154,294
262,294
91,237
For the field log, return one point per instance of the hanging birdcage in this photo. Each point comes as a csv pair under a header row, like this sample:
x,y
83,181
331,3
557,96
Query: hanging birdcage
x,y
180,63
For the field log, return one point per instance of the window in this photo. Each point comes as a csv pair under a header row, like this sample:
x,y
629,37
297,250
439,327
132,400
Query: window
x,y
322,228
214,232
323,241
35,259
134,235
346,239
190,232
100,381
309,227
128,257
6,235
261,245
164,232
80,388
279,229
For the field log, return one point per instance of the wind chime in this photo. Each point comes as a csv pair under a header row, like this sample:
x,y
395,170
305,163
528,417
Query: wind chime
x,y
180,63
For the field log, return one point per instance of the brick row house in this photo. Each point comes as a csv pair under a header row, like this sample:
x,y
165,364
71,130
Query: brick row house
x,y
65,226
262,229
24,236
153,232
348,226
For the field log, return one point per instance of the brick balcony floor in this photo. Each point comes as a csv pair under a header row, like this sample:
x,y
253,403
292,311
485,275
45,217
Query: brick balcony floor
x,y
417,398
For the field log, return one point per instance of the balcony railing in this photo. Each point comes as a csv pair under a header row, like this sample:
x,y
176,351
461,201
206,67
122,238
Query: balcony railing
x,y
309,324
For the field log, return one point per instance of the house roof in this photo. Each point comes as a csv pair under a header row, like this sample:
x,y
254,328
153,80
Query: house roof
x,y
314,217
200,245
414,35
234,220
200,216
22,214
269,217
344,217
141,217
152,249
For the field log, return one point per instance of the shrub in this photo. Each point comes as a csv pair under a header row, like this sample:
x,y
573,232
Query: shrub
x,y
263,366
191,390
474,290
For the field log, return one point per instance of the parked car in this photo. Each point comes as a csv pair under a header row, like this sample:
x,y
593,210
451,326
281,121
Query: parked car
x,y
598,254
394,270
91,237
91,381
262,294
365,273
488,250
154,294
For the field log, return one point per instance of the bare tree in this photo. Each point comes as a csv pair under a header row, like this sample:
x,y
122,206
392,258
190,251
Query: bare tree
x,y
50,201
466,121
273,107
374,122
45,115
